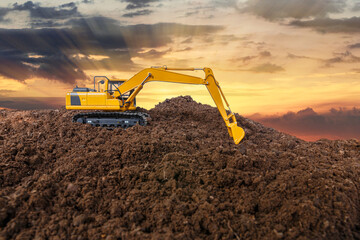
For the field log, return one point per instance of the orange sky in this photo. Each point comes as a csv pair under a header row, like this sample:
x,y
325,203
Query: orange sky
x,y
270,57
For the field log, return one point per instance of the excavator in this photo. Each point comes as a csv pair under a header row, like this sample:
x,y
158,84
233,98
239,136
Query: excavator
x,y
116,99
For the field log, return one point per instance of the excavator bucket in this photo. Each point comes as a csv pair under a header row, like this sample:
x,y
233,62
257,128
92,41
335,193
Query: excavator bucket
x,y
236,132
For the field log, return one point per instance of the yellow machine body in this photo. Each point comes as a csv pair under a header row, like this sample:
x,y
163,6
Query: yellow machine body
x,y
101,99
119,95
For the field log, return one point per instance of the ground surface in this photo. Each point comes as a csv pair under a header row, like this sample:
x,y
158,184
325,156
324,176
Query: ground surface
x,y
180,177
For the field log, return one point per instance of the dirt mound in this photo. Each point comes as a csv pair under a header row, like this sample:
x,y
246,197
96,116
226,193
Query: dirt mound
x,y
180,177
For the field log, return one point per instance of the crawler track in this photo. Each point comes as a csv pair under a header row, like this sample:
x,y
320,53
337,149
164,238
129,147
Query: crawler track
x,y
112,119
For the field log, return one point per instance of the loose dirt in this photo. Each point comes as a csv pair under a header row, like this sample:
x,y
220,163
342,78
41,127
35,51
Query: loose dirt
x,y
180,177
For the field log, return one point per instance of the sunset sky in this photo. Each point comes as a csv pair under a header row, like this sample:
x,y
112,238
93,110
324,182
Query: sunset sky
x,y
291,64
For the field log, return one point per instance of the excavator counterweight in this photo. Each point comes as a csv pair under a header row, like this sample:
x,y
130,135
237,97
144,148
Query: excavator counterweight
x,y
117,98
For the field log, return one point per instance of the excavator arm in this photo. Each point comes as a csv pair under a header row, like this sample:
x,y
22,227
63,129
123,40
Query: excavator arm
x,y
162,74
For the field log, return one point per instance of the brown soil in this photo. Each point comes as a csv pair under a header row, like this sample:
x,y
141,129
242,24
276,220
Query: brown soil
x,y
180,177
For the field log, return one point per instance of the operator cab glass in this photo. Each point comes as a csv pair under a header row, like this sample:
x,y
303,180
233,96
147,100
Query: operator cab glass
x,y
114,85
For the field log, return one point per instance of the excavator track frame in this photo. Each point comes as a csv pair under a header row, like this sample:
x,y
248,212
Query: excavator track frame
x,y
112,120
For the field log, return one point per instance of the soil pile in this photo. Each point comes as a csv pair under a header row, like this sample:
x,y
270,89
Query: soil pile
x,y
180,177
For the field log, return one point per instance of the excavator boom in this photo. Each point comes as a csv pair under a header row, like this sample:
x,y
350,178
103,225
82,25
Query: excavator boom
x,y
126,92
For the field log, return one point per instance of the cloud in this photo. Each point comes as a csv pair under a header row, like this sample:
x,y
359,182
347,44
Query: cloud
x,y
355,45
342,57
293,56
55,66
57,50
328,25
42,17
159,33
6,92
346,57
3,12
191,13
188,40
336,123
45,24
136,4
265,54
139,6
152,54
185,49
356,7
137,13
36,11
247,59
267,68
279,9
68,5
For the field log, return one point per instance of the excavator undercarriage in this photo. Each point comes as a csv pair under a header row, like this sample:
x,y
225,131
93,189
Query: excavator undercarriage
x,y
112,120
116,98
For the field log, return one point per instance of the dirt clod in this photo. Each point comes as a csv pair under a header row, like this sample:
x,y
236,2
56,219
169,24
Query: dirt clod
x,y
180,177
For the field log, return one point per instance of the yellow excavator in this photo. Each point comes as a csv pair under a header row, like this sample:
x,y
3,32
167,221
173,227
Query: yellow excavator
x,y
116,99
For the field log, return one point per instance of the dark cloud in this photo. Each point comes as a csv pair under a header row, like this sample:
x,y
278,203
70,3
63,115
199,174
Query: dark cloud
x,y
192,13
109,34
36,11
185,49
293,56
265,54
59,67
136,4
267,68
248,59
48,53
337,123
3,12
64,53
328,25
87,1
137,13
45,24
55,66
346,57
343,57
30,103
279,9
68,5
355,45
